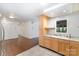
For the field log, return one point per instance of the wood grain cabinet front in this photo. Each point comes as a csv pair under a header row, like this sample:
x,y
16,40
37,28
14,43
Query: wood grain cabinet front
x,y
63,47
66,47
54,44
47,42
41,41
60,46
74,48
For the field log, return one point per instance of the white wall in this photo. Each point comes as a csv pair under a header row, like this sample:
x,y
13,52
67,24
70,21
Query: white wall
x,y
30,29
35,29
25,28
11,29
72,24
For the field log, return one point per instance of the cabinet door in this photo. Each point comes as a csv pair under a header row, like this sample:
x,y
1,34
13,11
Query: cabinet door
x,y
42,41
60,46
74,48
66,48
63,47
54,44
47,42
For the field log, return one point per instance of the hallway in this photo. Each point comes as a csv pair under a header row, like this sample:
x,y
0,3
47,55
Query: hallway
x,y
38,51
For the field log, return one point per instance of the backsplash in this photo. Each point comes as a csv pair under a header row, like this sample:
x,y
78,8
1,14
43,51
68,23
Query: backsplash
x,y
51,32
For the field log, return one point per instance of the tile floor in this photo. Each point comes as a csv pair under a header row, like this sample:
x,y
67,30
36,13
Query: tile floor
x,y
38,51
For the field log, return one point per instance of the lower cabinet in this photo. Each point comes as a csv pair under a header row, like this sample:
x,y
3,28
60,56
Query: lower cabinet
x,y
68,48
47,42
54,44
42,41
74,48
62,46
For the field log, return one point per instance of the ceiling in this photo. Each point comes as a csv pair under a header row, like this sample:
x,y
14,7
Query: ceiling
x,y
31,11
23,11
62,9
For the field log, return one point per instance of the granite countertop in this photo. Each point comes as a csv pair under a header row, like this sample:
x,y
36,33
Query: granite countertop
x,y
62,37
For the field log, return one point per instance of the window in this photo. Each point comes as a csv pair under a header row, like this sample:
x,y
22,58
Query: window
x,y
61,26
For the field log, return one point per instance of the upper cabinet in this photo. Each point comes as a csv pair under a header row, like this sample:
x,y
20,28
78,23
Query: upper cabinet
x,y
43,25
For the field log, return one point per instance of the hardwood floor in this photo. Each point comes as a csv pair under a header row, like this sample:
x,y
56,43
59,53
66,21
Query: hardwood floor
x,y
15,46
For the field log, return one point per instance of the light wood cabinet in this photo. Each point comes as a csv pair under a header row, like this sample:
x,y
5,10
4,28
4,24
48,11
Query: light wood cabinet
x,y
51,43
42,31
66,48
47,42
74,48
54,44
63,47
42,41
43,25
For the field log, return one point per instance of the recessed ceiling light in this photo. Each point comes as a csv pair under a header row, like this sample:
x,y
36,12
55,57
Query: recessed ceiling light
x,y
0,15
64,10
11,17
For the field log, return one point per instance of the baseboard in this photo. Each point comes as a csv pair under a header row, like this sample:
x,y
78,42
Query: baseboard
x,y
35,38
20,36
24,37
11,38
